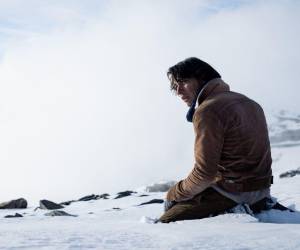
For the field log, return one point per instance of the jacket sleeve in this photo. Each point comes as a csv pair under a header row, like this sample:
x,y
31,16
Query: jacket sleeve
x,y
209,137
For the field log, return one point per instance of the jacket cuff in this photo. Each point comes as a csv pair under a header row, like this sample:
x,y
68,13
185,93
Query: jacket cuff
x,y
180,192
171,194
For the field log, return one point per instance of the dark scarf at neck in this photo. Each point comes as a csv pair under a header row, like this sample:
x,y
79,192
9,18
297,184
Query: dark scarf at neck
x,y
191,111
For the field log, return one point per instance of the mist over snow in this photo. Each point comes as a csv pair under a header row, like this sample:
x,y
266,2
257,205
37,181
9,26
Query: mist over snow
x,y
84,98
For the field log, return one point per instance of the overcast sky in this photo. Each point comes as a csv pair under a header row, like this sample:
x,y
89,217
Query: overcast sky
x,y
84,99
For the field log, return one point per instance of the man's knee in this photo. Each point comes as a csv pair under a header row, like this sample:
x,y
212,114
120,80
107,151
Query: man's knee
x,y
179,211
207,203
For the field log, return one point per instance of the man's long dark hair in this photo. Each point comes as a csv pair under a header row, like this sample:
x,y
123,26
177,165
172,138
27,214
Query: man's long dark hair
x,y
191,67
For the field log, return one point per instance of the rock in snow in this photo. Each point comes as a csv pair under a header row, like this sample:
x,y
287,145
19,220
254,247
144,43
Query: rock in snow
x,y
67,203
290,173
45,204
159,201
19,203
86,198
17,215
94,197
124,194
59,213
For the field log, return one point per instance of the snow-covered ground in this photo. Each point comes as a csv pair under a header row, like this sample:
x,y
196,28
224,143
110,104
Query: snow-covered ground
x,y
99,225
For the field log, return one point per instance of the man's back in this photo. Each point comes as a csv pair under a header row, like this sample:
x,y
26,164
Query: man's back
x,y
246,147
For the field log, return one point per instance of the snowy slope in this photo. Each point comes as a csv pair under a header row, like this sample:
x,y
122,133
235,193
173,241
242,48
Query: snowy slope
x,y
99,226
128,228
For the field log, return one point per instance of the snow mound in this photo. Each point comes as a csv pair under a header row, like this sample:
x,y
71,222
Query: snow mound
x,y
279,217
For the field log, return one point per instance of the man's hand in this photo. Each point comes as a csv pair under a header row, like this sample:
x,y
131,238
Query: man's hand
x,y
169,204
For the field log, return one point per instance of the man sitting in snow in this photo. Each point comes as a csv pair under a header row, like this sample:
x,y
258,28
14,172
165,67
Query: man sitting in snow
x,y
232,148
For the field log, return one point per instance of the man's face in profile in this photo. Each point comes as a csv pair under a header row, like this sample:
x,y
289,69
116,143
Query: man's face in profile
x,y
187,90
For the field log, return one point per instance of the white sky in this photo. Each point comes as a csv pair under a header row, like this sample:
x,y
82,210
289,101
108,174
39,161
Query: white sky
x,y
84,100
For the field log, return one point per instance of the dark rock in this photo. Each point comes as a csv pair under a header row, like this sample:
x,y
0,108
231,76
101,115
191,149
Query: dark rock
x,y
19,203
67,203
152,202
290,173
124,194
94,197
143,195
89,197
104,196
13,216
160,187
116,208
59,213
45,204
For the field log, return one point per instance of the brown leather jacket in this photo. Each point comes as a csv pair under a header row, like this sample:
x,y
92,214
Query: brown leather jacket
x,y
231,141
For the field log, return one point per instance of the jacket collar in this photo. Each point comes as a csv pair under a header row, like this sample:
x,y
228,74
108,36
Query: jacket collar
x,y
214,86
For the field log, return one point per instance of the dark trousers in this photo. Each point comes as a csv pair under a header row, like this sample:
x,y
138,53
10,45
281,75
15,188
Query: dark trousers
x,y
207,203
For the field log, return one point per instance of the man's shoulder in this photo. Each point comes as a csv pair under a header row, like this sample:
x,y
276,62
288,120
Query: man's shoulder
x,y
223,101
227,97
225,105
